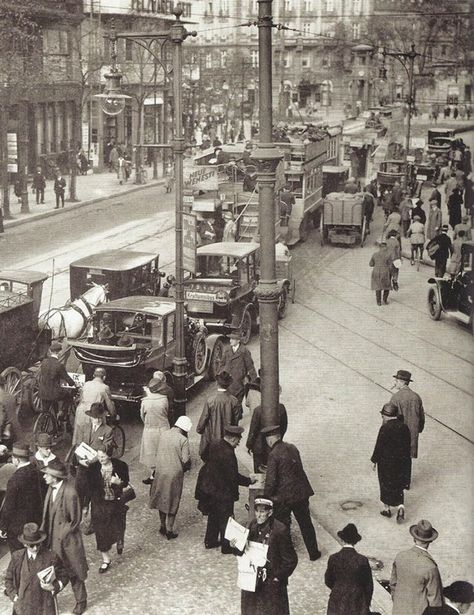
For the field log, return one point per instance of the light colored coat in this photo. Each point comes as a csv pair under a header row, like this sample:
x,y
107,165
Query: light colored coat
x,y
381,278
93,392
172,459
415,582
61,522
154,413
416,232
410,406
435,220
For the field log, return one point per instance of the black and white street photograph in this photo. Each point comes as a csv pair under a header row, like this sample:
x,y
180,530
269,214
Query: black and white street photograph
x,y
236,320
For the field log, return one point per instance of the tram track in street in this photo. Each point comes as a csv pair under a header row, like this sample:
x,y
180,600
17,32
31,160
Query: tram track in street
x,y
362,374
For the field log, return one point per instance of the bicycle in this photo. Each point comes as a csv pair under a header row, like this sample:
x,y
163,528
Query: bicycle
x,y
61,421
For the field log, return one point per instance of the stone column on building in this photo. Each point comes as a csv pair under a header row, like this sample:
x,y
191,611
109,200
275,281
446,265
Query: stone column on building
x,y
23,142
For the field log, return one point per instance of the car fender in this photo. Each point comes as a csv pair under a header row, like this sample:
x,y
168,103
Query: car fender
x,y
211,342
238,313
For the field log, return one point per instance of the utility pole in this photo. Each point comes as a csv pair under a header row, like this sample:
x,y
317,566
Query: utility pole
x,y
281,97
409,58
266,158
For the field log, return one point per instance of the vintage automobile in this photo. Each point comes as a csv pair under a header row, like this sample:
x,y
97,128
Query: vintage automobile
x,y
343,219
334,178
122,272
454,296
22,341
134,336
390,171
222,292
440,140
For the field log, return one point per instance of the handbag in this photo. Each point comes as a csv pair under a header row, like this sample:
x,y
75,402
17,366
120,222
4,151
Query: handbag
x,y
432,247
128,494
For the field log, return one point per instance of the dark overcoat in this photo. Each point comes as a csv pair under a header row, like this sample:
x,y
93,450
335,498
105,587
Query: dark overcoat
x,y
271,596
52,373
286,481
23,503
108,516
393,459
381,263
349,577
238,364
256,441
220,409
219,477
21,580
61,521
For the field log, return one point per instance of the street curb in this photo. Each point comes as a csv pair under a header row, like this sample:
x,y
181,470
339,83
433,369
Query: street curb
x,y
72,206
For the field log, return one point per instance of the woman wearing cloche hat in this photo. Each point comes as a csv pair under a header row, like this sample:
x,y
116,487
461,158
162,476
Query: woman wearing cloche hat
x,y
349,577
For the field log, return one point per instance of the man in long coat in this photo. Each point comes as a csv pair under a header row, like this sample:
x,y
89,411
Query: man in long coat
x,y
52,373
435,219
217,486
288,486
410,408
415,582
220,409
94,391
349,577
23,500
238,362
271,595
256,441
392,458
61,521
29,595
381,279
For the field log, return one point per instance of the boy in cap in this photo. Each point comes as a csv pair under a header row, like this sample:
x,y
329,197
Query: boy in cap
x,y
61,521
410,407
272,579
217,486
23,497
458,598
220,409
29,595
415,582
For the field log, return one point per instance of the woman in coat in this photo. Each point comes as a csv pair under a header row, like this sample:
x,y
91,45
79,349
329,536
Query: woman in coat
x,y
172,461
349,577
381,280
392,458
435,220
107,479
455,202
416,233
154,413
271,594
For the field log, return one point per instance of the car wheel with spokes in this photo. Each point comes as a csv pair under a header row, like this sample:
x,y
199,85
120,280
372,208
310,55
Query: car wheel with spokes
x,y
246,327
434,304
216,358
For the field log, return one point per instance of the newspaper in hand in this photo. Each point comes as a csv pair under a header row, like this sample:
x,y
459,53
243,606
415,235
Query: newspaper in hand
x,y
84,451
237,533
47,575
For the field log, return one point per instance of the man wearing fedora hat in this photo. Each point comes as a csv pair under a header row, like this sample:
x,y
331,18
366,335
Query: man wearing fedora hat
x,y
220,409
52,373
237,361
217,486
92,392
415,582
458,598
410,408
61,521
23,500
29,595
349,577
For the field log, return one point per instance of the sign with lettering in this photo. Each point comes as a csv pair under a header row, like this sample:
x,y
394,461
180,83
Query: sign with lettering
x,y
189,242
199,177
163,7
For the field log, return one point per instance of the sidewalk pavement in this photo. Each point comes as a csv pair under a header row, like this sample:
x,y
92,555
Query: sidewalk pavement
x,y
89,189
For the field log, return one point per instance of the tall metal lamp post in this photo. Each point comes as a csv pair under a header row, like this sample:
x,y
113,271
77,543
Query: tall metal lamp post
x,y
266,158
155,43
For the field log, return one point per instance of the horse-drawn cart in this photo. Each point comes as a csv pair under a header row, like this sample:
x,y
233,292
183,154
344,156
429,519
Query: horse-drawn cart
x,y
22,341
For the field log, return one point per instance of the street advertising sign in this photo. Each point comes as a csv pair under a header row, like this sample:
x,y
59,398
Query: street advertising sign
x,y
417,143
199,177
12,145
189,242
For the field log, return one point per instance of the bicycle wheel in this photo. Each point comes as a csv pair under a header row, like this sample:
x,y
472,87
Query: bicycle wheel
x,y
69,414
118,439
46,423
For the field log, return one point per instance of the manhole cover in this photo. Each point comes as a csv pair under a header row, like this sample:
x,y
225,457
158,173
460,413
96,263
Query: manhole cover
x,y
351,505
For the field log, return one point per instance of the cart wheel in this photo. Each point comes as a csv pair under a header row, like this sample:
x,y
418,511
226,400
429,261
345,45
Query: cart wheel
x,y
216,358
363,234
69,410
118,440
199,353
36,404
46,423
246,327
434,303
321,230
14,385
282,302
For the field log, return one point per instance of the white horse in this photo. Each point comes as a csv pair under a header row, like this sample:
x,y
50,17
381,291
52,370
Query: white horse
x,y
72,319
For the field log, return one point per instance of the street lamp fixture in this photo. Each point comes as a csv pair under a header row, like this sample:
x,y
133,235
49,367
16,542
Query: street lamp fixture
x,y
112,101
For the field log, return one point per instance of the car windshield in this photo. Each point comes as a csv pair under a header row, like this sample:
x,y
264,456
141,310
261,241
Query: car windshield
x,y
128,328
210,266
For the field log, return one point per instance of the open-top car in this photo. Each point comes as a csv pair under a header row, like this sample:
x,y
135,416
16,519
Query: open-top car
x,y
454,296
122,272
134,336
440,140
222,292
390,172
